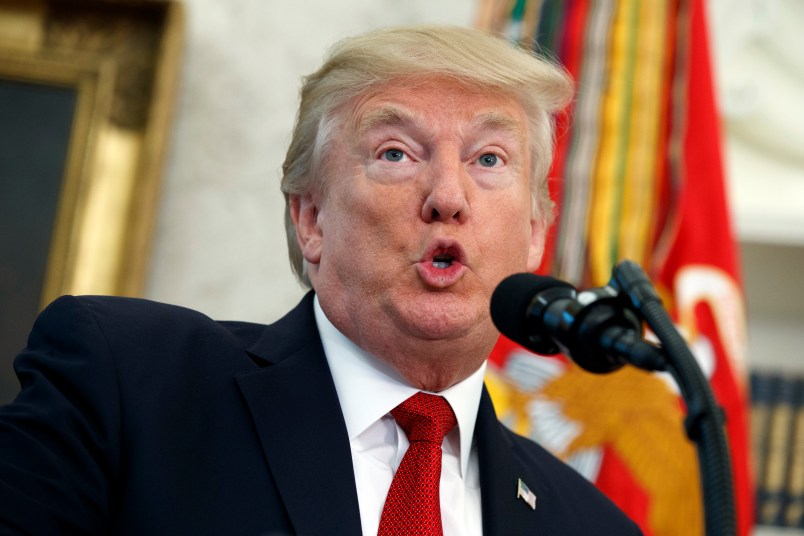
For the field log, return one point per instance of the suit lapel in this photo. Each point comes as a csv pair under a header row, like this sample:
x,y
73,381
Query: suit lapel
x,y
299,422
500,471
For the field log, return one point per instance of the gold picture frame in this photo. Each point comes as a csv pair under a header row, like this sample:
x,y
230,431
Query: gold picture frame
x,y
122,58
118,63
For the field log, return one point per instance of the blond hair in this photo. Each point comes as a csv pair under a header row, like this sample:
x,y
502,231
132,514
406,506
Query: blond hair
x,y
360,65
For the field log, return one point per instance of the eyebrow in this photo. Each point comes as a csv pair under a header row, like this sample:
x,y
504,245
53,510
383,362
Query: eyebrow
x,y
390,115
502,122
384,116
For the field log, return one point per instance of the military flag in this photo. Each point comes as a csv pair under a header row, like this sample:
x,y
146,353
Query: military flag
x,y
638,175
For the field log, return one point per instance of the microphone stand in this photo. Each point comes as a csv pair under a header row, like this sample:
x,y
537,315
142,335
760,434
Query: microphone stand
x,y
704,422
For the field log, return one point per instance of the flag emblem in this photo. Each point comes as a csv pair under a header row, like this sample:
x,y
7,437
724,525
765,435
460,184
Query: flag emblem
x,y
524,493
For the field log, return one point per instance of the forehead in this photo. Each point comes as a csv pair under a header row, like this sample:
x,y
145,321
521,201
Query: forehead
x,y
420,102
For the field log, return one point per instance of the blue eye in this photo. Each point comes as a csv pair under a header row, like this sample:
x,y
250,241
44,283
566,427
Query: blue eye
x,y
394,155
488,160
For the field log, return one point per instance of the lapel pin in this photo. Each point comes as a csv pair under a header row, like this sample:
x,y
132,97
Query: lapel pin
x,y
524,493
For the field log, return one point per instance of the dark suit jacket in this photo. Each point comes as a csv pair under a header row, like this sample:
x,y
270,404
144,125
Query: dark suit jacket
x,y
143,418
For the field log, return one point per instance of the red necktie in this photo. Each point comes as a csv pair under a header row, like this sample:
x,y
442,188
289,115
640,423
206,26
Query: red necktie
x,y
413,503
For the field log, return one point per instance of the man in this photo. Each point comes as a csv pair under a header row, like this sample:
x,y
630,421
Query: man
x,y
415,182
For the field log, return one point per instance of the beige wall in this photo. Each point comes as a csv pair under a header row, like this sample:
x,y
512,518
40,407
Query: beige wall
x,y
760,78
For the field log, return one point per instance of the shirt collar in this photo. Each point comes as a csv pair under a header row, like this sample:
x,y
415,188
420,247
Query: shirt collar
x,y
360,376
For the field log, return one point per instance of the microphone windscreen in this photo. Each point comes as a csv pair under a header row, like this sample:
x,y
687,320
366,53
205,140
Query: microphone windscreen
x,y
511,300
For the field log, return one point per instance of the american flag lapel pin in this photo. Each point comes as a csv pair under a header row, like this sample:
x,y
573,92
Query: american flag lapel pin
x,y
524,493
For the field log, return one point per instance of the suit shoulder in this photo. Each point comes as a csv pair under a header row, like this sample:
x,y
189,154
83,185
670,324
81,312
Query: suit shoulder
x,y
140,317
126,307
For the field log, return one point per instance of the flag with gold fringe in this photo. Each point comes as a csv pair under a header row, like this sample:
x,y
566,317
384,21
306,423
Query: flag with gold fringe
x,y
638,175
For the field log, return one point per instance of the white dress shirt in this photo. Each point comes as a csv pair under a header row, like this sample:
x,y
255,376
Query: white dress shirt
x,y
368,390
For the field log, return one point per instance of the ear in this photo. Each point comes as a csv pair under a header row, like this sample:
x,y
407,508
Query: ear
x,y
538,234
304,213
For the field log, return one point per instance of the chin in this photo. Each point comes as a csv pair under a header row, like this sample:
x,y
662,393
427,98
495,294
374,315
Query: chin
x,y
442,317
437,331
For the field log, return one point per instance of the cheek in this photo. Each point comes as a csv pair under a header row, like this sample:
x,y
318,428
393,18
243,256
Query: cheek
x,y
509,235
381,204
363,220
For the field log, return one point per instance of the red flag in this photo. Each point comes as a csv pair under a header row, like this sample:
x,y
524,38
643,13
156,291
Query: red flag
x,y
701,268
638,174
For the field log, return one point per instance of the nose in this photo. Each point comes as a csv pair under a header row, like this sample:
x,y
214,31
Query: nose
x,y
446,194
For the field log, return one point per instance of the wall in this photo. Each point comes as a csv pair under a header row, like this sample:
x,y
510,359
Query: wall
x,y
760,74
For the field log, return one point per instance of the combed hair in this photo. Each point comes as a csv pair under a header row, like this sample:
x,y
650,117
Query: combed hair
x,y
359,66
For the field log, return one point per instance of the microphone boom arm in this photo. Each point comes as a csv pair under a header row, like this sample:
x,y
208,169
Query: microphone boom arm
x,y
704,422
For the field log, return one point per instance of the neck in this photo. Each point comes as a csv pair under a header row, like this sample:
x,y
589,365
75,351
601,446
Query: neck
x,y
430,365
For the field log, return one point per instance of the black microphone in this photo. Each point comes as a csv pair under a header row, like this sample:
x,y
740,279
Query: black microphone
x,y
595,328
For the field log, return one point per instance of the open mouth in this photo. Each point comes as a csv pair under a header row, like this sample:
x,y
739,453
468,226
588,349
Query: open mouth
x,y
443,261
444,255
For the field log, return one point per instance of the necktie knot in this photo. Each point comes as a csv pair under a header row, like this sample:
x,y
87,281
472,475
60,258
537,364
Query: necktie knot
x,y
425,417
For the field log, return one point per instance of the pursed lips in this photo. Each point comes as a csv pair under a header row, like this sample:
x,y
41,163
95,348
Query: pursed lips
x,y
442,264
